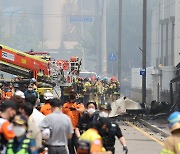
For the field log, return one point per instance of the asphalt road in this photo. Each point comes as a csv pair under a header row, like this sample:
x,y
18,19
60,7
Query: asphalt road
x,y
138,141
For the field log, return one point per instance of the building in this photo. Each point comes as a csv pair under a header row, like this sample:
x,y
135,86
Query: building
x,y
57,26
165,50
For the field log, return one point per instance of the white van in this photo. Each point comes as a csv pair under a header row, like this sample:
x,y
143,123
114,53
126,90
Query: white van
x,y
86,74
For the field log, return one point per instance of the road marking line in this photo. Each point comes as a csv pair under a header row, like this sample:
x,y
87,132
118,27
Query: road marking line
x,y
142,131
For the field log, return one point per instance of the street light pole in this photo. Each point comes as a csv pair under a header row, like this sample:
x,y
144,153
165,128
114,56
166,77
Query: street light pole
x,y
119,44
103,39
144,53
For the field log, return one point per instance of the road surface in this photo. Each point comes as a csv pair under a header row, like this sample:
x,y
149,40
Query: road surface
x,y
138,141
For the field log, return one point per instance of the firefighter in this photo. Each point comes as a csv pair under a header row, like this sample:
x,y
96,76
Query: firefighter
x,y
74,111
113,130
7,92
171,144
114,89
99,86
93,93
46,108
91,141
86,90
80,92
8,111
106,90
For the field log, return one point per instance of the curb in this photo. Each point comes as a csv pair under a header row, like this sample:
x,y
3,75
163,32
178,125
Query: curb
x,y
154,128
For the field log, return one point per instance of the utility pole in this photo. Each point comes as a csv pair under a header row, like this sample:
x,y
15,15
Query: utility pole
x,y
98,34
119,44
103,39
144,53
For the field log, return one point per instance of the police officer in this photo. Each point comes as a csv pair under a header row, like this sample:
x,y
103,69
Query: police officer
x,y
91,141
91,115
30,90
113,130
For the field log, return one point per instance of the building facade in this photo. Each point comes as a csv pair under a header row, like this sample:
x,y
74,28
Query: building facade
x,y
165,50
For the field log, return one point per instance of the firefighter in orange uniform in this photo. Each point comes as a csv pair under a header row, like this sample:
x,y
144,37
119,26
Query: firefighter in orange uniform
x,y
8,111
73,110
46,108
6,93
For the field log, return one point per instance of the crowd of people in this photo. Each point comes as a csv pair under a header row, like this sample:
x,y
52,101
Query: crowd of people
x,y
54,126
57,127
96,89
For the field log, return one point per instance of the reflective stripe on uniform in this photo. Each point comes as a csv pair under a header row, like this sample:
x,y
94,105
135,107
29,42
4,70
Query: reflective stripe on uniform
x,y
178,147
23,149
165,151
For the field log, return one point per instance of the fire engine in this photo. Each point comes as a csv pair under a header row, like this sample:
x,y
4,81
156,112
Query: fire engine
x,y
40,66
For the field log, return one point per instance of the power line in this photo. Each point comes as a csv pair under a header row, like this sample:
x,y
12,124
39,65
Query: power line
x,y
56,15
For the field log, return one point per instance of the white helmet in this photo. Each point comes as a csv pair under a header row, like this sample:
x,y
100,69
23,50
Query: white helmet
x,y
48,95
33,80
19,93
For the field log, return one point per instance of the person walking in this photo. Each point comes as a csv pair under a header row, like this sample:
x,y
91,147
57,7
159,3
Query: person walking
x,y
46,108
8,111
114,130
21,144
171,144
74,111
30,90
37,116
34,131
90,142
90,116
59,127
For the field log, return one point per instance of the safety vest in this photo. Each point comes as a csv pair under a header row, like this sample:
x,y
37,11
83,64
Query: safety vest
x,y
86,140
23,149
6,95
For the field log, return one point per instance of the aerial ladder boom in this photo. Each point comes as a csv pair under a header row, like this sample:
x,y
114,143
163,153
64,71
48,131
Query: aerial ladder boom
x,y
19,63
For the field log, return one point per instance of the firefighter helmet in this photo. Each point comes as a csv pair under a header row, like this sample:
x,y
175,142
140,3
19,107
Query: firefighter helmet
x,y
105,106
174,120
93,78
48,96
33,80
113,79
